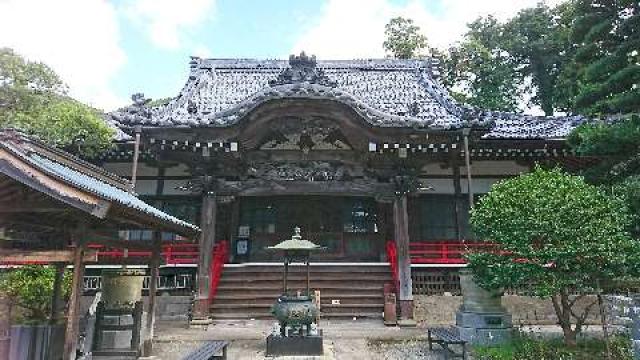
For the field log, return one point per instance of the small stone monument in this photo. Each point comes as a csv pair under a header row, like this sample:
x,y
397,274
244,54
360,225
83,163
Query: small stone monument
x,y
481,319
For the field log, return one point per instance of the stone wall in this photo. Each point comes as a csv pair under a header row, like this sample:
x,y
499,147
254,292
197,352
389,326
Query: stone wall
x,y
526,310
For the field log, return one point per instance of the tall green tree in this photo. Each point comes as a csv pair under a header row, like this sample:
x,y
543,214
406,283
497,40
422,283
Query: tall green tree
x,y
34,99
617,146
604,75
498,65
403,39
537,40
479,72
557,235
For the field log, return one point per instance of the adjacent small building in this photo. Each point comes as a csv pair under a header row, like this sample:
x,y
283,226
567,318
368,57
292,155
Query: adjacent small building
x,y
57,209
371,158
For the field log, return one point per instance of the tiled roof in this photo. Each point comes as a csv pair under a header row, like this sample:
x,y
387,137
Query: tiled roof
x,y
516,126
385,92
81,175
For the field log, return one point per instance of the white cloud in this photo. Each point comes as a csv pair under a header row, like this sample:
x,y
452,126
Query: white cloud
x,y
355,28
201,51
166,20
77,38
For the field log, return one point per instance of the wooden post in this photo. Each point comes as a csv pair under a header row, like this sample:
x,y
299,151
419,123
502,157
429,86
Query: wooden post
x,y
153,287
467,160
136,155
234,223
401,232
5,326
207,242
71,332
457,193
56,299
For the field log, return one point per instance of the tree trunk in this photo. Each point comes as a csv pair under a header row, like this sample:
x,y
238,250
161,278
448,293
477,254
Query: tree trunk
x,y
562,308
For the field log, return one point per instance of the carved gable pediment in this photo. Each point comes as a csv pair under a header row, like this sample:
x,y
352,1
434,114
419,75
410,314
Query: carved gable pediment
x,y
308,133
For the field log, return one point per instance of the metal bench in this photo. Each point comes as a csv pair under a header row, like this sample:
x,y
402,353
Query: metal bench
x,y
446,336
210,350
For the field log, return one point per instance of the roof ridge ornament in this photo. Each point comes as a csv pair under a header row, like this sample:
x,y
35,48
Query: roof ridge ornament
x,y
303,69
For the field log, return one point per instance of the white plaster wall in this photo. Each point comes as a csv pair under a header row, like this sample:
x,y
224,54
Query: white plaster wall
x,y
124,169
445,186
479,167
170,187
488,167
146,187
179,170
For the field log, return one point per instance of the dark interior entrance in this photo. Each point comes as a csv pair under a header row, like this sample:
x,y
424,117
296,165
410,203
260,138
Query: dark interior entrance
x,y
347,226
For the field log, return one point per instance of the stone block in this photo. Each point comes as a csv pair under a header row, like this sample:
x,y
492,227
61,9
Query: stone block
x,y
294,345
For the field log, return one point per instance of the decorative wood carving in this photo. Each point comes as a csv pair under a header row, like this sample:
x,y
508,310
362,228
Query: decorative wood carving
x,y
304,133
301,69
301,171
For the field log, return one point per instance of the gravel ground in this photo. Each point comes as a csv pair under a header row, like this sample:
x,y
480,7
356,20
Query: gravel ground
x,y
348,349
404,350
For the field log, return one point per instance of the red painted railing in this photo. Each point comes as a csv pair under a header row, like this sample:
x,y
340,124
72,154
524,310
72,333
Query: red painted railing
x,y
392,255
444,252
173,254
220,257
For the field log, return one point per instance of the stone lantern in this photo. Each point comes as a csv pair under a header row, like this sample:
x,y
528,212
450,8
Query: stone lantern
x,y
296,332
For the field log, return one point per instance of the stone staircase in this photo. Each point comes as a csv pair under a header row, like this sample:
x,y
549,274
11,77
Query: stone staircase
x,y
247,291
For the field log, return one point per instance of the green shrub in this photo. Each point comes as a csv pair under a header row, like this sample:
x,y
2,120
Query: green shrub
x,y
526,348
31,289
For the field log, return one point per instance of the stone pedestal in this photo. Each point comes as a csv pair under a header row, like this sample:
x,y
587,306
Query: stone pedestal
x,y
294,345
481,320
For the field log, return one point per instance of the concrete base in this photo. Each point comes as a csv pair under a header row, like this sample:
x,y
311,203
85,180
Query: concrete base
x,y
484,328
407,323
294,346
406,309
200,323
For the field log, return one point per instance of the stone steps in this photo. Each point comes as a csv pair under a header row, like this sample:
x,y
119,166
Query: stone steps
x,y
346,291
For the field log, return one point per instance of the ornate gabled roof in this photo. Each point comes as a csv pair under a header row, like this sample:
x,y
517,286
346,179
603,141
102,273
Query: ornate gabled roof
x,y
385,92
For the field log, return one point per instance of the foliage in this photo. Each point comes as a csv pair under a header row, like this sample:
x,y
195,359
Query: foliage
x,y
31,288
528,348
478,72
556,234
403,38
537,40
618,146
494,59
33,99
604,74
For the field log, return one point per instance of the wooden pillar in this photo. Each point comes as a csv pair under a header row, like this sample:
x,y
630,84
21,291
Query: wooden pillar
x,y
136,155
401,232
73,315
234,223
153,289
5,326
455,173
56,299
467,159
207,242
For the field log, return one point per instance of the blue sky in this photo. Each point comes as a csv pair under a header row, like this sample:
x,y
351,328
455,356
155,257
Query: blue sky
x,y
107,50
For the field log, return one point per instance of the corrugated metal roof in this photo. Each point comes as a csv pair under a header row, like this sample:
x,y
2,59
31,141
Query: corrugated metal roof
x,y
104,190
